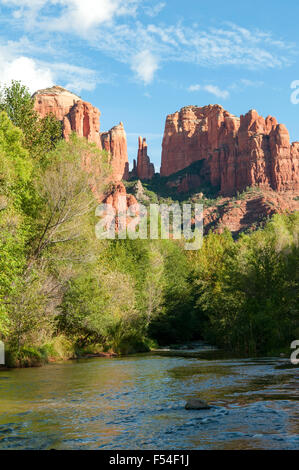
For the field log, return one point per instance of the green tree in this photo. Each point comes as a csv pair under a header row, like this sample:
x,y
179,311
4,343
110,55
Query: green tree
x,y
40,135
174,321
97,308
64,187
15,173
248,290
15,163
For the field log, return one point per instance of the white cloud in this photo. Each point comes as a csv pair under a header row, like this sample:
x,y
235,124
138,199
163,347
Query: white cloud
x,y
25,3
83,15
154,10
114,28
76,78
251,83
145,64
72,15
22,4
194,88
26,70
179,44
244,84
213,89
36,74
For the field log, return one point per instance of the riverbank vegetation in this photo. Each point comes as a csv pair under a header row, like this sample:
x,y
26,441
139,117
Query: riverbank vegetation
x,y
64,293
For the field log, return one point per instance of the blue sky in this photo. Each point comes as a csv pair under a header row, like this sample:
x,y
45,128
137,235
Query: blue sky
x,y
139,60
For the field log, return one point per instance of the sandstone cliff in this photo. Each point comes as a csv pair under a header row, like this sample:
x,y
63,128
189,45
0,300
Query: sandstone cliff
x,y
249,212
117,197
117,191
81,117
145,169
235,152
202,147
115,143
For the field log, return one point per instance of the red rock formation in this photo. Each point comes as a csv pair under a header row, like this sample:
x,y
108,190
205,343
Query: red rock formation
x,y
236,153
83,118
133,172
55,100
145,170
115,143
115,192
183,184
76,115
249,212
117,197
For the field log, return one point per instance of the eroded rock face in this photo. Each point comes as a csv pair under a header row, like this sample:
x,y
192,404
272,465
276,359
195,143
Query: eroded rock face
x,y
247,213
76,115
145,169
56,100
117,197
84,119
115,143
139,192
81,117
113,195
236,153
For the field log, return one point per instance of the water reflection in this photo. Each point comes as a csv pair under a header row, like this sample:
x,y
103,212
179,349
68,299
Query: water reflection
x,y
138,402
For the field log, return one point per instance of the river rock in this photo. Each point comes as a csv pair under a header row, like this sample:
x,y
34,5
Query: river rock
x,y
197,404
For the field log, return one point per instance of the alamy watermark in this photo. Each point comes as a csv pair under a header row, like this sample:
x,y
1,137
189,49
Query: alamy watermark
x,y
151,222
295,93
295,354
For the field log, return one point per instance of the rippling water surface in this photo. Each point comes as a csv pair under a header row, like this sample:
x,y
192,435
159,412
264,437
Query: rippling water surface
x,y
138,402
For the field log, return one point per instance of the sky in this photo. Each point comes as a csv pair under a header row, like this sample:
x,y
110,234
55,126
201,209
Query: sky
x,y
139,60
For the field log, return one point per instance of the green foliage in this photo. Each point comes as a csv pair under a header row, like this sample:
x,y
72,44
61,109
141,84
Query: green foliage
x,y
47,225
39,135
15,164
65,197
48,134
83,310
248,290
27,356
99,307
18,104
175,322
165,187
29,310
63,291
15,172
140,264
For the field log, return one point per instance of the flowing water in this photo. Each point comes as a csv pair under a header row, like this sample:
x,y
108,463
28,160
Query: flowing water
x,y
137,402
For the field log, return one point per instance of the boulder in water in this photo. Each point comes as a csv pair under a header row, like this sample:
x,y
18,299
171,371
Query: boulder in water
x,y
197,404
